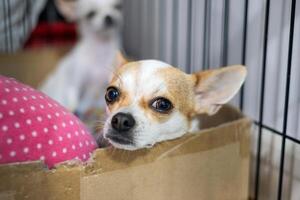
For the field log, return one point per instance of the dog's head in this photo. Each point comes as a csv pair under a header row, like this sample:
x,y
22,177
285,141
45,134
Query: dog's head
x,y
103,17
150,101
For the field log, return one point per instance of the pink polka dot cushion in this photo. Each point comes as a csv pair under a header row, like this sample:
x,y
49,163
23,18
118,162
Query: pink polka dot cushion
x,y
35,127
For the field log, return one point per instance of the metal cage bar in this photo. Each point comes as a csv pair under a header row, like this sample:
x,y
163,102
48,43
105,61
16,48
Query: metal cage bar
x,y
296,141
287,96
9,23
244,50
5,25
189,37
262,99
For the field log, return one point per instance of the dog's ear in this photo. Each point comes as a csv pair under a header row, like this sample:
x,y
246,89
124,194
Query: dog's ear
x,y
213,88
121,60
67,8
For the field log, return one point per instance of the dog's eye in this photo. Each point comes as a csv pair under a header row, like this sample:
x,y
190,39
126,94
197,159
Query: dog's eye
x,y
90,14
161,105
112,94
119,6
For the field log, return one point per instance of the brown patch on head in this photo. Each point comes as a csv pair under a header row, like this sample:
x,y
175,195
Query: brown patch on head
x,y
123,101
116,81
150,113
180,89
144,104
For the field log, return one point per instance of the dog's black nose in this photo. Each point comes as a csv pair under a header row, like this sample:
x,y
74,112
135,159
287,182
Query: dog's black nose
x,y
109,21
122,122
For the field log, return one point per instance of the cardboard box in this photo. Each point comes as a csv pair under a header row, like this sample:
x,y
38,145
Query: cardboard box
x,y
32,66
210,165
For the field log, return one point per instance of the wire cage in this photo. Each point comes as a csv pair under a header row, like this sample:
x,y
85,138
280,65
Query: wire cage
x,y
203,34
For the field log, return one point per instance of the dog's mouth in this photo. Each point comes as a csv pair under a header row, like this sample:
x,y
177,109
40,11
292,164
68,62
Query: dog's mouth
x,y
107,34
113,138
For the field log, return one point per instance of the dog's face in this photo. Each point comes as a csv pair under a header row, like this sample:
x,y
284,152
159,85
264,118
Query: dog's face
x,y
100,16
150,101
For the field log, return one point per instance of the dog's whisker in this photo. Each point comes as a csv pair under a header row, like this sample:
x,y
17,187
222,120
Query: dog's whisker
x,y
99,124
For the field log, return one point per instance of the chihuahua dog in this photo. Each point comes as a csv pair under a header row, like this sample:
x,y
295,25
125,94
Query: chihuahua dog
x,y
81,77
150,101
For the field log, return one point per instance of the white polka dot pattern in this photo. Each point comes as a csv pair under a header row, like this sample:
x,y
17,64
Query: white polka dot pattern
x,y
34,127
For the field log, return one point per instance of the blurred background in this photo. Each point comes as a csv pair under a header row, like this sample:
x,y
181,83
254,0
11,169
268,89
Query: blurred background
x,y
192,35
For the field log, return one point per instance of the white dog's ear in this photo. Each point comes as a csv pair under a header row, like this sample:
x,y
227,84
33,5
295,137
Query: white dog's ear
x,y
67,8
213,88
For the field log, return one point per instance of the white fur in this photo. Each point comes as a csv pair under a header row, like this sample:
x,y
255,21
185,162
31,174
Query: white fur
x,y
145,83
80,79
195,125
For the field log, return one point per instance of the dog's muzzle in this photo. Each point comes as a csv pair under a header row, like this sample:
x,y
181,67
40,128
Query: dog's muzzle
x,y
122,125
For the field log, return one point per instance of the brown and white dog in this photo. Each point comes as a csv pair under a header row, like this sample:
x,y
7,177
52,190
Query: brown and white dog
x,y
150,101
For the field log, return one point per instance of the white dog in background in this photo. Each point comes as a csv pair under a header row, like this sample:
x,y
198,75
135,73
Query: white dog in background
x,y
80,80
